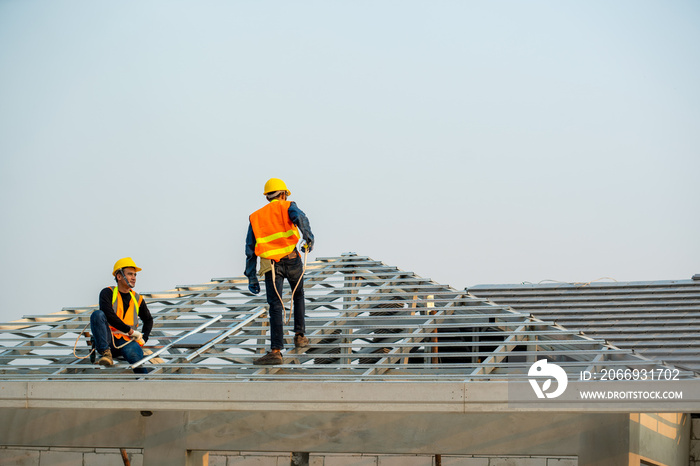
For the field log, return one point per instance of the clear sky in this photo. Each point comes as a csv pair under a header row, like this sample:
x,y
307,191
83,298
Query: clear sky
x,y
470,142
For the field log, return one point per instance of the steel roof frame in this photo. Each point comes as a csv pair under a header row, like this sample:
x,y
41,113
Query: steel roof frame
x,y
366,321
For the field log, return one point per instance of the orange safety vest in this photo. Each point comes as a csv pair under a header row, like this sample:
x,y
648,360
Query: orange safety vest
x,y
131,316
275,234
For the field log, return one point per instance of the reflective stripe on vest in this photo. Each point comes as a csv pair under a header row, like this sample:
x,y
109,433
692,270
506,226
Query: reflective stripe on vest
x,y
275,233
131,316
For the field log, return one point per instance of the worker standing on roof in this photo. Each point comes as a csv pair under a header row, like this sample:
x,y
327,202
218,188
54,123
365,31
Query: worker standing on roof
x,y
115,324
273,236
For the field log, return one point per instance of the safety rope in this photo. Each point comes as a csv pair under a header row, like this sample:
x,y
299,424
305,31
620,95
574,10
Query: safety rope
x,y
579,284
75,346
285,319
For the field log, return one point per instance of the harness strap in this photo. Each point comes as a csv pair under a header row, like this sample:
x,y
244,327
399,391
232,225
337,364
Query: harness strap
x,y
285,319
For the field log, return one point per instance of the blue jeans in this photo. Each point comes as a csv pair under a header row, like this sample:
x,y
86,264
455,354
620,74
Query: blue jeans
x,y
293,271
101,333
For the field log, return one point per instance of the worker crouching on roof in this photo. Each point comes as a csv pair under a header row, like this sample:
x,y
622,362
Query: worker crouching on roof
x,y
114,325
273,236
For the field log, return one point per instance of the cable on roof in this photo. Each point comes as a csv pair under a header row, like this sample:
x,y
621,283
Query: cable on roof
x,y
582,284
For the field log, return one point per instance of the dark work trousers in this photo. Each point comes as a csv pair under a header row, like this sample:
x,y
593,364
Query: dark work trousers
x,y
293,271
132,352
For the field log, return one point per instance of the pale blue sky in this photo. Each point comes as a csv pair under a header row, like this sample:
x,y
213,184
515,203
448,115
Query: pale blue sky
x,y
469,142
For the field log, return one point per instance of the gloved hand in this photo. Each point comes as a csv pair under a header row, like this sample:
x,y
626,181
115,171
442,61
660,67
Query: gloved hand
x,y
254,286
308,246
136,335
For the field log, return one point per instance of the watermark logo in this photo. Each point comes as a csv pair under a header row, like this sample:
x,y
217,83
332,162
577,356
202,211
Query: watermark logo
x,y
542,368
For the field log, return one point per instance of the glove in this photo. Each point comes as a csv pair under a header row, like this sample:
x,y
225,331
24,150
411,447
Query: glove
x,y
254,286
136,335
308,246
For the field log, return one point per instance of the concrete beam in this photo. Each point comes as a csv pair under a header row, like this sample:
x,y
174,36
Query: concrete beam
x,y
443,397
171,434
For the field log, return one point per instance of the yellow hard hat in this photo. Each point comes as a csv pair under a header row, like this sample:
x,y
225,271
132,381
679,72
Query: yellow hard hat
x,y
124,262
275,184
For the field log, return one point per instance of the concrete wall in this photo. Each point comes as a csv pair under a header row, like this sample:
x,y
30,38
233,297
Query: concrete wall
x,y
660,438
54,456
262,459
476,439
695,443
16,456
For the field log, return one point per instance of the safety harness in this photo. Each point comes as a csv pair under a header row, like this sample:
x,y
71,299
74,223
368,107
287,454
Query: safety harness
x,y
285,319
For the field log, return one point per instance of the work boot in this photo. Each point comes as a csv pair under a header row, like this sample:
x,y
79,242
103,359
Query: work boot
x,y
300,341
106,359
270,359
